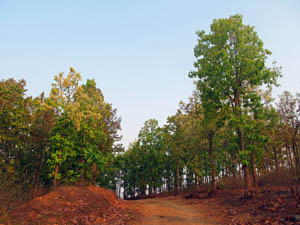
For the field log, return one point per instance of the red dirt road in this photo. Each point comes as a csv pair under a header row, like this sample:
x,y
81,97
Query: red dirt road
x,y
169,210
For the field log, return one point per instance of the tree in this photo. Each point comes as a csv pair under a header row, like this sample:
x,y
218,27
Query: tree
x,y
83,138
194,138
175,141
289,111
63,100
15,161
42,122
69,136
142,166
150,141
231,63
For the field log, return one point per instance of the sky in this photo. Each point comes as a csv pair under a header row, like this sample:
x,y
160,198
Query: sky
x,y
138,52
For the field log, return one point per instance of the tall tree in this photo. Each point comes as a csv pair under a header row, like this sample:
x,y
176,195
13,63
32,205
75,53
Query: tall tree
x,y
42,121
231,62
175,140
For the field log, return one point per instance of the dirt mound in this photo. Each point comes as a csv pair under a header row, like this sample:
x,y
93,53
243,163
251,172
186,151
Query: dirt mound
x,y
74,205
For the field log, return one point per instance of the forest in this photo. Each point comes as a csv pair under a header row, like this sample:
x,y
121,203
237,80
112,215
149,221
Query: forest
x,y
231,133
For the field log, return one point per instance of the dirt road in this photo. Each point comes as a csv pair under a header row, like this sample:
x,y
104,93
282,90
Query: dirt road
x,y
170,210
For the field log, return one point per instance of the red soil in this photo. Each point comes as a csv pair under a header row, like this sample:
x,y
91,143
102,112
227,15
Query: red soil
x,y
270,205
94,205
73,205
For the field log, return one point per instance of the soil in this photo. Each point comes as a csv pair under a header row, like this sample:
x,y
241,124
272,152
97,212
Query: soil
x,y
94,205
169,210
73,205
270,205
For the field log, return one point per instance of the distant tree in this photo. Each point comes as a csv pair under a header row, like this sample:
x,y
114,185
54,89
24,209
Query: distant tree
x,y
176,145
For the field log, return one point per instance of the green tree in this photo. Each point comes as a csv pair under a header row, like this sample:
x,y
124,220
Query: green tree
x,y
174,137
150,139
231,62
42,122
195,142
63,100
84,135
14,138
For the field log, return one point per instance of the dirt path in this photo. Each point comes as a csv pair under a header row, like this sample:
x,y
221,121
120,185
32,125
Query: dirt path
x,y
170,210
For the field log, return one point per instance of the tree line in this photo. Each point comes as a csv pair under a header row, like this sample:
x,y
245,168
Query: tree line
x,y
229,132
68,137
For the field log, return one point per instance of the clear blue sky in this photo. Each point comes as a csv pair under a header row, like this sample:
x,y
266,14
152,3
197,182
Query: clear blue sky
x,y
139,52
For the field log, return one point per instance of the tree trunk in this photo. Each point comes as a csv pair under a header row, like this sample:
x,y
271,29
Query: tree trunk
x,y
212,165
196,182
143,187
290,161
150,190
234,175
177,177
248,186
38,174
253,169
95,173
168,181
248,189
296,177
227,173
276,162
181,183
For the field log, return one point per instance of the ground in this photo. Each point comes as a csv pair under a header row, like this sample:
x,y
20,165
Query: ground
x,y
270,205
170,210
94,205
72,205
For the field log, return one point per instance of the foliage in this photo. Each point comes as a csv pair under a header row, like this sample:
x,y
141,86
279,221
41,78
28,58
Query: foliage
x,y
66,137
228,128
